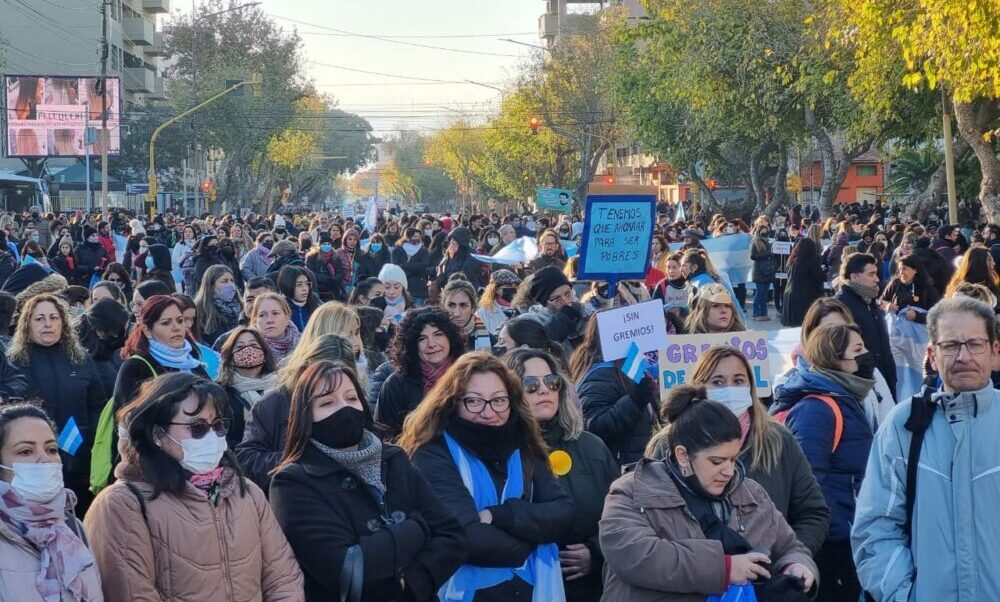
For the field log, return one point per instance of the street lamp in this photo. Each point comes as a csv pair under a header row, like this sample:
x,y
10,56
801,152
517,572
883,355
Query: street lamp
x,y
535,46
469,81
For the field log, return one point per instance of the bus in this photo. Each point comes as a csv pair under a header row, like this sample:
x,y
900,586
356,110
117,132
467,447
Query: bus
x,y
19,193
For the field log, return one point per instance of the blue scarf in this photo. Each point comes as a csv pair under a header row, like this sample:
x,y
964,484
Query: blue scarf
x,y
177,359
541,569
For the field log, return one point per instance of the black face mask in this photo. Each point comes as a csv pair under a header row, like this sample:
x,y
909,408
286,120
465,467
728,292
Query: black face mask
x,y
344,428
866,365
507,294
378,302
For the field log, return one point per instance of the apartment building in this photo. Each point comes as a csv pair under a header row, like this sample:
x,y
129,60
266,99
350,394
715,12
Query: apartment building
x,y
64,38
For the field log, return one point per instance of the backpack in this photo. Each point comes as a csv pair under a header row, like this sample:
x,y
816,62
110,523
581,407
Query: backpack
x,y
102,453
838,416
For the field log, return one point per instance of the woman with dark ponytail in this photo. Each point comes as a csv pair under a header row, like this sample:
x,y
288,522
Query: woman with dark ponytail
x,y
649,541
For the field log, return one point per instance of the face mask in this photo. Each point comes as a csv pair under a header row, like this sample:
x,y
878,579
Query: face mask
x,y
267,245
37,481
306,244
378,302
492,240
248,357
730,230
866,365
428,231
375,247
228,292
202,455
150,264
326,248
344,428
35,237
94,239
507,294
737,399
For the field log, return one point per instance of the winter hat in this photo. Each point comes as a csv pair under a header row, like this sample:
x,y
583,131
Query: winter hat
x,y
544,282
392,273
461,235
23,277
504,277
88,231
282,247
66,240
52,284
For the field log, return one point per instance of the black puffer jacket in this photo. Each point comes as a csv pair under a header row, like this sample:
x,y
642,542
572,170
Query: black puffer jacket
x,y
92,259
515,531
66,391
871,320
264,437
376,382
612,413
417,268
134,372
324,509
399,395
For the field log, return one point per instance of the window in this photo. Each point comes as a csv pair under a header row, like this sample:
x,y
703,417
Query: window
x,y
867,170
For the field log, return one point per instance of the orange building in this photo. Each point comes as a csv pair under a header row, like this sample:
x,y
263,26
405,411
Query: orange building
x,y
865,179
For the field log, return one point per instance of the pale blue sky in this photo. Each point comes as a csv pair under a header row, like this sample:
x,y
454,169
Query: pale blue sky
x,y
413,103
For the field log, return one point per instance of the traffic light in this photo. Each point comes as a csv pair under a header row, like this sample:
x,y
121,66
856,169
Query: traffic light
x,y
206,186
533,123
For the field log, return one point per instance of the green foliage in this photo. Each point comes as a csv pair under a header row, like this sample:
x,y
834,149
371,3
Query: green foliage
x,y
410,178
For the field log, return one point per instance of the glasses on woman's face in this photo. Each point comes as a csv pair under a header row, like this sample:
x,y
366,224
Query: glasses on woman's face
x,y
200,428
552,382
476,405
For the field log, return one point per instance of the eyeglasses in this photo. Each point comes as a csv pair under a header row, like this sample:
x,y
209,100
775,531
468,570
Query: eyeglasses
x,y
552,382
476,405
974,346
200,428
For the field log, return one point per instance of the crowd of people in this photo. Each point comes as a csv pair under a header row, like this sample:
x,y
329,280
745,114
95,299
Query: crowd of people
x,y
304,407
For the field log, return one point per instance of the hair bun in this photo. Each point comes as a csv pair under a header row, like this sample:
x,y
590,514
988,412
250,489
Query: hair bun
x,y
680,399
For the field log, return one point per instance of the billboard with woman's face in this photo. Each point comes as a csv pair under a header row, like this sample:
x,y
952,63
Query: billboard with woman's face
x,y
46,116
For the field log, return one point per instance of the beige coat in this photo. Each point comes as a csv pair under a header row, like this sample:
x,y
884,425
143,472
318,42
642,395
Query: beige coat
x,y
189,550
655,551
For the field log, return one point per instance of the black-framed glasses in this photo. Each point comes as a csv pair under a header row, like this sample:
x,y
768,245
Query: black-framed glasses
x,y
200,428
974,346
476,405
552,382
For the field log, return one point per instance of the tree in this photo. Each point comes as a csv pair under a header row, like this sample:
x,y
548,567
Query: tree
x,y
410,178
460,151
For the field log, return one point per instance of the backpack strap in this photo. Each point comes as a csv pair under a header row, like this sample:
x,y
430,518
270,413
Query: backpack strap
x,y
838,418
145,361
922,409
142,499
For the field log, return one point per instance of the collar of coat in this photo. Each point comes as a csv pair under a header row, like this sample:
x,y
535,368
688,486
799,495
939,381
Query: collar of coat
x,y
318,464
133,473
652,487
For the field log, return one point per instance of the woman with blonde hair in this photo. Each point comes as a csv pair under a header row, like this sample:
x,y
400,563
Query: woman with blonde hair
x,y
273,318
334,317
583,463
769,452
713,312
476,442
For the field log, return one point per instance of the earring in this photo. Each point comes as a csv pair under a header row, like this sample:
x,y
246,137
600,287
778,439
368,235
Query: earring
x,y
686,471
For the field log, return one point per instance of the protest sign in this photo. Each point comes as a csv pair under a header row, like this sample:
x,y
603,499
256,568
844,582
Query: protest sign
x,y
347,212
617,231
729,254
782,248
554,199
678,358
641,323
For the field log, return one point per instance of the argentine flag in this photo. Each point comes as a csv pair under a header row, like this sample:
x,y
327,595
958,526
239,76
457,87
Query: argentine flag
x,y
635,366
70,438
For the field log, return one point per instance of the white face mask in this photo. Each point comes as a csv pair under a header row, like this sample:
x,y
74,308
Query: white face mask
x,y
202,455
737,399
37,481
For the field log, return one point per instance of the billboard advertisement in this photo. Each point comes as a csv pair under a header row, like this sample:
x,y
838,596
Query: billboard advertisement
x,y
46,116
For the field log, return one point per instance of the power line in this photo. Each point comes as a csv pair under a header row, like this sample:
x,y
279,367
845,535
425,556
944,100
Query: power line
x,y
399,37
394,41
424,79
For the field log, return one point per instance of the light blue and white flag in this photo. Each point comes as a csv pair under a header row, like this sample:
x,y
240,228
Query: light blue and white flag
x,y
371,216
570,247
120,243
729,254
70,438
521,251
636,366
680,216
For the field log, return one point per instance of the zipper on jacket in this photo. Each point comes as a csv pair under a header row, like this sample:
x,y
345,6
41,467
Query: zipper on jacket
x,y
230,594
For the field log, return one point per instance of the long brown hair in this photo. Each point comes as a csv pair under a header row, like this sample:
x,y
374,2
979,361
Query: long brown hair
x,y
588,353
300,419
226,367
975,268
428,420
69,343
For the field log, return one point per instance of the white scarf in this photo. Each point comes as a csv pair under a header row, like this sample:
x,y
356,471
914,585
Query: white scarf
x,y
253,389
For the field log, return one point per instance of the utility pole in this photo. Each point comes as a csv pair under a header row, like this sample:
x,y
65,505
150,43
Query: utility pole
x,y
949,161
105,139
194,88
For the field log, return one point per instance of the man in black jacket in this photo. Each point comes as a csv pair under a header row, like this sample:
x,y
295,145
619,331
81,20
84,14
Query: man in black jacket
x,y
859,292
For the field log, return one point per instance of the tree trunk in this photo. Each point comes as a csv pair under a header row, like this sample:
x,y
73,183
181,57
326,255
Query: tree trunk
x,y
757,177
780,198
937,187
973,120
834,169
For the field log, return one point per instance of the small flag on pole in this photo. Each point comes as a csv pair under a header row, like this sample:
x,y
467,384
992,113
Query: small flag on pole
x,y
635,366
679,216
70,438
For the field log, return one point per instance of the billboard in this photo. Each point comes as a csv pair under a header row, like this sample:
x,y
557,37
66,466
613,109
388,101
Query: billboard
x,y
46,116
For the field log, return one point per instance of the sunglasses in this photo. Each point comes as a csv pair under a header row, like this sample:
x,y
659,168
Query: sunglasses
x,y
552,382
200,428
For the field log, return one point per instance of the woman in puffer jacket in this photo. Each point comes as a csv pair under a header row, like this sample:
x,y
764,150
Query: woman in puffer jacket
x,y
691,525
181,522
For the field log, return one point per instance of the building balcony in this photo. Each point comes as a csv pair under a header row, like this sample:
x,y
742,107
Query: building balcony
x,y
548,26
139,79
138,30
159,91
157,48
156,6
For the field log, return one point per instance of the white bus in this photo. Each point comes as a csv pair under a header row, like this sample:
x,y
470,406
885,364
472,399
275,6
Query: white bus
x,y
18,193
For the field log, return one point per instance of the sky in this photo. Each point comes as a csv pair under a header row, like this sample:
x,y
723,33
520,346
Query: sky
x,y
392,102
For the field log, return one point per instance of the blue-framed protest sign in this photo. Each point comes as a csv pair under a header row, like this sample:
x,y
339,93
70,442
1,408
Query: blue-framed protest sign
x,y
617,231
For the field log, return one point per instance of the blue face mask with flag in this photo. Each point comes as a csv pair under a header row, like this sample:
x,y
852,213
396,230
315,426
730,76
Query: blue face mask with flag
x,y
375,247
150,264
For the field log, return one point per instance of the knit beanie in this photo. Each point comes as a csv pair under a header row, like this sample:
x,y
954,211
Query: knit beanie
x,y
504,277
544,282
88,231
393,273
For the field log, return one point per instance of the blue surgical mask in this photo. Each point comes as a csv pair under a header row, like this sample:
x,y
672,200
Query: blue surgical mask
x,y
150,264
375,247
326,247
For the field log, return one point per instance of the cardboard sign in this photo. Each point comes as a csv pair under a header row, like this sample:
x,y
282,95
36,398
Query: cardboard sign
x,y
617,230
782,249
347,212
642,323
678,358
554,199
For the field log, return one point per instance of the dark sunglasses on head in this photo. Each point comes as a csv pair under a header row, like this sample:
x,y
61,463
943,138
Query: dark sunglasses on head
x,y
552,382
200,428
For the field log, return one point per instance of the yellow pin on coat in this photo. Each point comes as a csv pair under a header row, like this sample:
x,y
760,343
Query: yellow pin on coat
x,y
561,462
